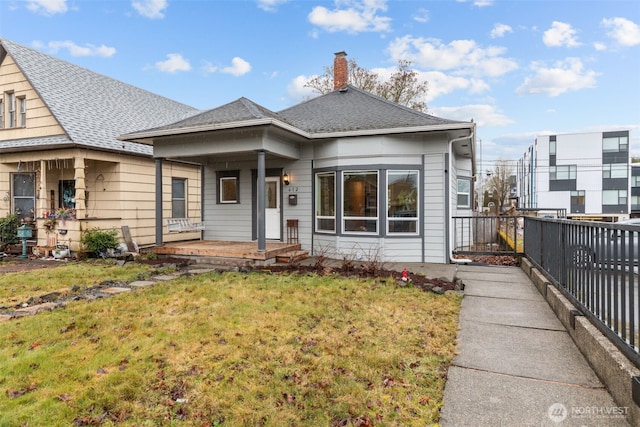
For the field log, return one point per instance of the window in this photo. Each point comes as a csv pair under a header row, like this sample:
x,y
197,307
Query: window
x,y
614,197
12,110
562,172
178,198
24,190
22,103
614,170
67,192
360,202
552,147
635,181
464,193
326,201
228,186
615,144
1,113
577,201
402,201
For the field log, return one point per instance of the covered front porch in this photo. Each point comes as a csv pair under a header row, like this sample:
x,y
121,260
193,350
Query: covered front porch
x,y
207,251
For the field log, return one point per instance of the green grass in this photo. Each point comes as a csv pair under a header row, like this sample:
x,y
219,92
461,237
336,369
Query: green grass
x,y
233,349
19,286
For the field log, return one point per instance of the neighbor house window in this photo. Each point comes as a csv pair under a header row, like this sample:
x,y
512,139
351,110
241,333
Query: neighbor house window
x,y
614,170
24,191
178,198
614,197
360,202
326,201
22,103
228,186
402,201
464,193
1,113
12,110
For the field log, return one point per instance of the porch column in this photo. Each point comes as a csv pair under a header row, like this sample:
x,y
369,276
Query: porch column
x,y
81,195
159,241
43,194
261,207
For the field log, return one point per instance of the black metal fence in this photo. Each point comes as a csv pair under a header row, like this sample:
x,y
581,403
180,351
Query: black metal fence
x,y
595,265
488,235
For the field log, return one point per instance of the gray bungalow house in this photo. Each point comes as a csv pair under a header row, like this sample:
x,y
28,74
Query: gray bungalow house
x,y
354,174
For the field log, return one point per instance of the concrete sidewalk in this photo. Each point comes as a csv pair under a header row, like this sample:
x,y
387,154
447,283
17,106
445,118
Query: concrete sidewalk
x,y
516,363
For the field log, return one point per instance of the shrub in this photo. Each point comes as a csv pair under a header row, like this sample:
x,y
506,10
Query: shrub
x,y
98,241
9,229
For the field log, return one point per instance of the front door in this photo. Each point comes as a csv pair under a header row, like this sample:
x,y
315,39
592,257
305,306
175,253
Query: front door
x,y
272,207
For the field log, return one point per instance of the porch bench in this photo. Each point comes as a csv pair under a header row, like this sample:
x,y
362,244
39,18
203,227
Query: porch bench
x,y
183,225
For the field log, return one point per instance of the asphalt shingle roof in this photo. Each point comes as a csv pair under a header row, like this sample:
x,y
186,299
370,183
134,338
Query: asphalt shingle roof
x,y
92,109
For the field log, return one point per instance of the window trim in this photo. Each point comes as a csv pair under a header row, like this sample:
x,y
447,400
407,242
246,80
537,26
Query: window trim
x,y
1,112
183,200
317,199
222,176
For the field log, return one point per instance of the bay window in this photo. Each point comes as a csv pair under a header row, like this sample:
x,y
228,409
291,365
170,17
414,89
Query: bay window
x,y
326,201
360,201
402,201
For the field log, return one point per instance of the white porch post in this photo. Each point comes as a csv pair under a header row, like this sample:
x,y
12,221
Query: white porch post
x,y
81,196
43,194
261,204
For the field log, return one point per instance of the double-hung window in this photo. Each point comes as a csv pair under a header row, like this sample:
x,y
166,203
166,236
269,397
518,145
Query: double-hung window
x,y
178,198
464,193
402,201
12,110
326,202
22,104
360,202
1,112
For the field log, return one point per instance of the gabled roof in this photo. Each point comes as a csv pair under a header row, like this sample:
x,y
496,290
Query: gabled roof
x,y
353,109
92,109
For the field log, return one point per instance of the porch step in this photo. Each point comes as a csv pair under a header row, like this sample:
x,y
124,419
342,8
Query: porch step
x,y
292,256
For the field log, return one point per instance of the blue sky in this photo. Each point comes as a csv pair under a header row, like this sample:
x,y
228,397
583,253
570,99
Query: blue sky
x,y
518,68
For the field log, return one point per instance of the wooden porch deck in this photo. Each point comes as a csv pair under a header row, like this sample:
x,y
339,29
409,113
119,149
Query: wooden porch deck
x,y
221,249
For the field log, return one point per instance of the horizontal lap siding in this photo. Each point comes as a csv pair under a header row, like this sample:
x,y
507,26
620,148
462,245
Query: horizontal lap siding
x,y
434,214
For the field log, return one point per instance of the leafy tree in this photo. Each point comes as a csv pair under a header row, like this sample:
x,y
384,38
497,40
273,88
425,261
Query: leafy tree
x,y
403,87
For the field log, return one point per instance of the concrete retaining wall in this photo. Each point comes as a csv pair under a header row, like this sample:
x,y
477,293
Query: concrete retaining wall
x,y
610,365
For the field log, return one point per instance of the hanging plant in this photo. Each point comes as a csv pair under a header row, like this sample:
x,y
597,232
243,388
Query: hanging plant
x,y
49,225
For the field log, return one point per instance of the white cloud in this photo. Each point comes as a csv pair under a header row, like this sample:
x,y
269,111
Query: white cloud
x,y
47,7
296,90
564,76
464,57
499,30
623,31
421,16
354,16
560,34
478,3
239,67
153,9
482,114
174,63
599,46
270,5
87,50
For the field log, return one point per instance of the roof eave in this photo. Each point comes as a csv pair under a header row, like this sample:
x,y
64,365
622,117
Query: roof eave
x,y
410,129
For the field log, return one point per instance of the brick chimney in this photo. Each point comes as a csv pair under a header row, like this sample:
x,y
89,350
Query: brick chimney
x,y
340,70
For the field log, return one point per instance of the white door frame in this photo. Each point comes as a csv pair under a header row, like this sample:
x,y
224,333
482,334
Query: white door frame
x,y
272,215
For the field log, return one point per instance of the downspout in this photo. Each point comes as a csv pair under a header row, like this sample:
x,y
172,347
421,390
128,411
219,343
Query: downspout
x,y
448,203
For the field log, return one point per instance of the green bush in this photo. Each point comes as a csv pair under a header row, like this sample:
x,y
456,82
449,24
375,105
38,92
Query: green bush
x,y
98,241
9,229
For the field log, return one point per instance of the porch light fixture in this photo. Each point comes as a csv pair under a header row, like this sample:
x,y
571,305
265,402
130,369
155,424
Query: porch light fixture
x,y
285,179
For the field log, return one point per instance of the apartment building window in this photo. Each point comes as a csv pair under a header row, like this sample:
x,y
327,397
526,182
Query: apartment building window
x,y
22,103
614,170
562,178
326,202
615,144
12,109
577,201
178,198
614,197
635,181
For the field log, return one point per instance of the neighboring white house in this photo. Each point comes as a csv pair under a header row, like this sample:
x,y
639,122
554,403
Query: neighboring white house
x,y
588,174
360,175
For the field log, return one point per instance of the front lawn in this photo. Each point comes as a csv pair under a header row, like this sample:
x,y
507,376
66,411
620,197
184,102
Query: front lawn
x,y
234,349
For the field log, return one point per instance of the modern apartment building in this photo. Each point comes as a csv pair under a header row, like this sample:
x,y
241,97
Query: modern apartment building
x,y
587,174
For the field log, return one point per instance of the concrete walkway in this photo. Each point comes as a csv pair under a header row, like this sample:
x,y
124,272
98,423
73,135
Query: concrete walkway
x,y
516,363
